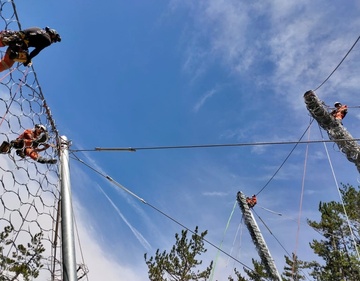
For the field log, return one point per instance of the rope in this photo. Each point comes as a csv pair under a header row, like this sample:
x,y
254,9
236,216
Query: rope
x,y
338,65
7,74
79,242
239,228
300,207
341,200
226,228
161,212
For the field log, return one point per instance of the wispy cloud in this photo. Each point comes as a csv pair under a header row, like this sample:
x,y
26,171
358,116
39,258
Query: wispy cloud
x,y
256,39
215,194
203,99
137,234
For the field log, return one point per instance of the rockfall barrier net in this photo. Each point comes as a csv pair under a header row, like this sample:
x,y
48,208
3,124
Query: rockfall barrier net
x,y
29,191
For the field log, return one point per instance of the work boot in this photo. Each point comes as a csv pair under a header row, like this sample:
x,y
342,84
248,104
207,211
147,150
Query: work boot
x,y
43,160
5,147
20,153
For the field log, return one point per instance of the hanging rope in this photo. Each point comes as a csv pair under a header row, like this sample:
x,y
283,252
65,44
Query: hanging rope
x,y
300,207
7,74
239,228
218,252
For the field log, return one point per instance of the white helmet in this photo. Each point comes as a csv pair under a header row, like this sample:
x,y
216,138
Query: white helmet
x,y
41,127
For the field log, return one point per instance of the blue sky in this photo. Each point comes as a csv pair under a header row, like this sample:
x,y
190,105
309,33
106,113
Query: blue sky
x,y
169,73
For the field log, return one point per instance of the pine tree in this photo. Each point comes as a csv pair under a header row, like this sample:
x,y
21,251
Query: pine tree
x,y
337,249
25,261
238,276
181,262
259,273
292,269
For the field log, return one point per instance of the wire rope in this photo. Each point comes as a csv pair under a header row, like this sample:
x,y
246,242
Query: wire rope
x,y
338,64
121,149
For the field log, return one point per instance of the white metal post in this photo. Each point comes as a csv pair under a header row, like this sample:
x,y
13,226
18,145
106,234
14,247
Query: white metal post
x,y
67,225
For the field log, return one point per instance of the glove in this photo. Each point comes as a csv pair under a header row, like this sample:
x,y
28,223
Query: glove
x,y
28,62
28,59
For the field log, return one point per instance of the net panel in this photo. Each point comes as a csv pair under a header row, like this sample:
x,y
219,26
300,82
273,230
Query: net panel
x,y
29,191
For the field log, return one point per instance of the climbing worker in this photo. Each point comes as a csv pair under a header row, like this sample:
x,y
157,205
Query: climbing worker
x,y
339,112
27,144
251,201
18,43
248,201
254,200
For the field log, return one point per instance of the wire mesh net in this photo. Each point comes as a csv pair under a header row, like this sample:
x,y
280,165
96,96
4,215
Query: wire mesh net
x,y
29,190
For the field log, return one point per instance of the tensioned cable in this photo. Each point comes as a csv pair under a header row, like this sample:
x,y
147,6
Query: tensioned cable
x,y
134,149
158,210
341,199
338,64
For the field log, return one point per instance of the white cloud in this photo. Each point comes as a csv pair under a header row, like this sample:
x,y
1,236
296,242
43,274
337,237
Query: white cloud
x,y
103,265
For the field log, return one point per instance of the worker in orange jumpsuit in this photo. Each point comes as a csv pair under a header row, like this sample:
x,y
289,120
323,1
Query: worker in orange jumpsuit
x,y
18,43
339,112
251,201
27,144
